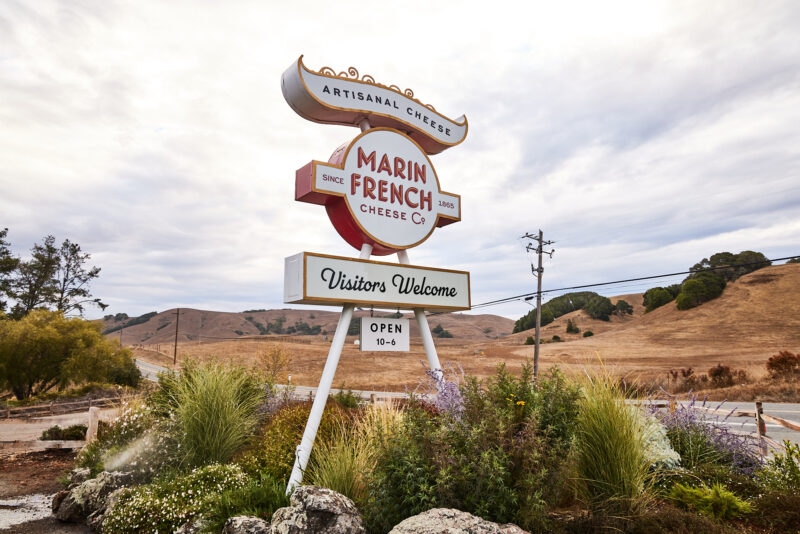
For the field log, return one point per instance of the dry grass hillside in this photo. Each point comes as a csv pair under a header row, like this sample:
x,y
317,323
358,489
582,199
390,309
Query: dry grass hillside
x,y
757,316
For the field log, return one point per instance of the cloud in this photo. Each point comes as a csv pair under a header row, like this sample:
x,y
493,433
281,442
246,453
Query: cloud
x,y
639,136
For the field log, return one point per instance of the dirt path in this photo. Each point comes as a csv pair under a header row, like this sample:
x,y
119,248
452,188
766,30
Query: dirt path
x,y
30,429
27,482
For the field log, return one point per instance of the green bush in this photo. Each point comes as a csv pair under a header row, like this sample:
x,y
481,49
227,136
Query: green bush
x,y
493,459
571,328
530,340
588,333
699,288
168,504
782,472
438,331
215,409
74,432
274,451
259,498
347,399
556,338
716,501
612,457
623,308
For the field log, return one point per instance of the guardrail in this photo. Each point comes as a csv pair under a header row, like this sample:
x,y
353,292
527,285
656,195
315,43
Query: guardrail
x,y
58,408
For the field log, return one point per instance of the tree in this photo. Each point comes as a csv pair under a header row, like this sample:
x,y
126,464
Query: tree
x,y
656,297
794,260
35,284
44,349
731,266
700,288
571,328
599,307
623,308
438,331
8,264
71,290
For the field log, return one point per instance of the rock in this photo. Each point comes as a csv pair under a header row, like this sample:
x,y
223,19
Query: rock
x,y
95,519
79,475
450,521
88,497
246,524
316,510
58,498
193,526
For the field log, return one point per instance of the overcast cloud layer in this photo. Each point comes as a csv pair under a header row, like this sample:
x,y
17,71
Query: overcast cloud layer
x,y
640,136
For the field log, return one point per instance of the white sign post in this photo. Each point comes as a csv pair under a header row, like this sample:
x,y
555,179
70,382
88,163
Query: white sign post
x,y
383,196
384,334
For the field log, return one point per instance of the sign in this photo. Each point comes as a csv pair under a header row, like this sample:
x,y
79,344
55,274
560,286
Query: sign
x,y
311,278
380,189
344,98
382,334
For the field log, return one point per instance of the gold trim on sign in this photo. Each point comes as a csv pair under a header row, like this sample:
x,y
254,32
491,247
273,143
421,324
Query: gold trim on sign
x,y
369,80
350,208
352,75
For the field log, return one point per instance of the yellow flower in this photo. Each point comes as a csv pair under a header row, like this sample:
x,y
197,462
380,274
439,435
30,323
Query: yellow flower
x,y
520,403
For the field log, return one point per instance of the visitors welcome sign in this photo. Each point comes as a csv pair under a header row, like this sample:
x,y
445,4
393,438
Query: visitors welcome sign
x,y
332,280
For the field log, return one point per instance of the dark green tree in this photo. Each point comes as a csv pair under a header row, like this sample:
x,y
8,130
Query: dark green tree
x,y
571,328
623,308
731,266
656,297
700,288
794,260
34,285
599,307
8,264
71,292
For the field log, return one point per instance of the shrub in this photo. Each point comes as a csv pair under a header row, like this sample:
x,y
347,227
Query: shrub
x,y
571,328
720,376
699,288
556,338
588,333
491,459
530,340
704,440
343,463
716,501
668,519
168,504
782,472
346,399
777,511
74,432
215,409
260,497
438,331
274,452
784,365
612,455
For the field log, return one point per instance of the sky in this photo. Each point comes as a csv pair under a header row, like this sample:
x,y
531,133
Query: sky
x,y
639,136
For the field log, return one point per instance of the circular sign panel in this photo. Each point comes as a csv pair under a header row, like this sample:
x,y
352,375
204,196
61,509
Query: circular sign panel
x,y
380,189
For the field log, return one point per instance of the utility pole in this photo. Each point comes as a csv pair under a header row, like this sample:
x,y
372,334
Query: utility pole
x,y
537,272
177,321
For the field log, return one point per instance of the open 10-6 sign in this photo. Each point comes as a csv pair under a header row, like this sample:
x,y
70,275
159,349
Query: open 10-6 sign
x,y
383,196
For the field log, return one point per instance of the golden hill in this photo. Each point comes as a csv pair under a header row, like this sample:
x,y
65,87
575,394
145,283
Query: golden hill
x,y
756,316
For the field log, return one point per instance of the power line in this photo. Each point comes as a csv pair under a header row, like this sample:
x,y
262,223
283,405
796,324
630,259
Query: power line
x,y
528,296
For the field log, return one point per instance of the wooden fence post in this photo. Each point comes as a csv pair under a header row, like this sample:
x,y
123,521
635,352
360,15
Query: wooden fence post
x,y
672,404
91,430
372,398
761,428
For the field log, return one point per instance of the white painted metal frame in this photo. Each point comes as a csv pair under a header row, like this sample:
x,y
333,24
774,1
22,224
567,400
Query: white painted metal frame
x,y
303,451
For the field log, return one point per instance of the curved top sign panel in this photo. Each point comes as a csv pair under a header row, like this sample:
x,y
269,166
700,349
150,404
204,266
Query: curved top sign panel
x,y
328,98
379,189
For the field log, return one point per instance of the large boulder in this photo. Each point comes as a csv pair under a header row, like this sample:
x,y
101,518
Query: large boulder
x,y
450,521
246,524
316,510
88,497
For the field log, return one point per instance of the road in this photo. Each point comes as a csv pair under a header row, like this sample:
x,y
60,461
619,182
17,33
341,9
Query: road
x,y
739,424
30,429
